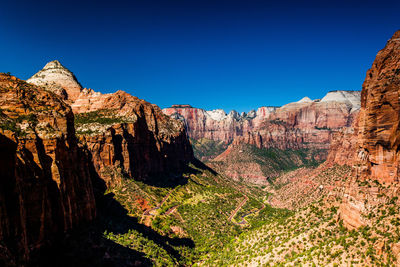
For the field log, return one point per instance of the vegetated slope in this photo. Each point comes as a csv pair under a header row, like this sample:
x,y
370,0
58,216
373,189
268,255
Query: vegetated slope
x,y
183,224
259,165
315,235
207,149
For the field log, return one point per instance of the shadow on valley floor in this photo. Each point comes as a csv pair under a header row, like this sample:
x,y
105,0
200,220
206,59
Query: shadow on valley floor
x,y
173,180
87,246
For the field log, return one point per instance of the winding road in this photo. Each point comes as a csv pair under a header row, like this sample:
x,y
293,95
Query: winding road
x,y
243,221
149,212
238,208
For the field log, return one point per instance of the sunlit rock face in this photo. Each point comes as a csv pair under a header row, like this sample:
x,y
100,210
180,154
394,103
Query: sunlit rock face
x,y
375,141
58,79
335,110
121,131
379,134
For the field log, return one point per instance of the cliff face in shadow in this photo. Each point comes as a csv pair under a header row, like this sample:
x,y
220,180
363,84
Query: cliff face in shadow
x,y
45,186
50,180
133,137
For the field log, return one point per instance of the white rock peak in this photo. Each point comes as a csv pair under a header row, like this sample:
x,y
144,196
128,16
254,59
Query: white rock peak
x,y
352,98
305,99
55,77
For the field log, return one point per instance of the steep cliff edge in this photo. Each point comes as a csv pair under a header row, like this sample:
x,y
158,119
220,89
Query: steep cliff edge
x,y
375,173
132,136
45,188
302,124
126,136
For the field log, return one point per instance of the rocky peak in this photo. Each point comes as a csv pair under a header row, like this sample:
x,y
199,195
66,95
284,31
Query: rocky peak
x,y
55,77
305,99
352,98
55,64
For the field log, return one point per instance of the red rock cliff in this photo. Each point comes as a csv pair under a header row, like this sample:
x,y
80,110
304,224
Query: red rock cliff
x,y
45,188
124,134
379,134
142,142
302,124
376,140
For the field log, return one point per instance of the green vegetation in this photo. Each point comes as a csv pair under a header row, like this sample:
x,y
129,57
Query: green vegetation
x,y
205,149
193,219
196,211
13,124
100,116
285,160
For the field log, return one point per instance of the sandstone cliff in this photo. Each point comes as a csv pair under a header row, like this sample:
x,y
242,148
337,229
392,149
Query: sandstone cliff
x,y
126,136
300,132
301,124
45,187
372,147
135,137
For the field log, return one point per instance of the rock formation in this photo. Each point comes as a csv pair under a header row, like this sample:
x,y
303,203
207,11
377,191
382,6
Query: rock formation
x,y
45,185
123,133
138,139
57,78
295,125
376,153
305,125
213,125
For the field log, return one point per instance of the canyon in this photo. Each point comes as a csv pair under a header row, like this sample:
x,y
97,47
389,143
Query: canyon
x,y
51,164
302,129
94,179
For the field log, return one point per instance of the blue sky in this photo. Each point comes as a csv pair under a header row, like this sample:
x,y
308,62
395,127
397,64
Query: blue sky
x,y
210,54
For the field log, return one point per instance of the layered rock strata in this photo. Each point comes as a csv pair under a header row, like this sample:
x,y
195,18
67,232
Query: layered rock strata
x,y
376,151
45,185
124,134
301,124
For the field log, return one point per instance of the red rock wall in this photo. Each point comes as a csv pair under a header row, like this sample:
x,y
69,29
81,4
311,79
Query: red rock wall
x,y
148,146
376,140
293,126
379,135
45,187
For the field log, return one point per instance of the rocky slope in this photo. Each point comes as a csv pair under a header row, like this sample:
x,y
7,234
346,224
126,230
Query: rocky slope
x,y
45,185
126,136
57,78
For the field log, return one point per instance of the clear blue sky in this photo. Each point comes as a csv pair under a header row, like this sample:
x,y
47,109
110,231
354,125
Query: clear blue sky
x,y
207,53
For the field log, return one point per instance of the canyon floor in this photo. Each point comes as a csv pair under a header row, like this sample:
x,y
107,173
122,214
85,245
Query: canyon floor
x,y
209,220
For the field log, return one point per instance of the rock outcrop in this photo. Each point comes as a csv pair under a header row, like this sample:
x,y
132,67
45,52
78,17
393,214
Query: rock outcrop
x,y
138,139
126,136
379,122
45,185
301,124
376,152
60,80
